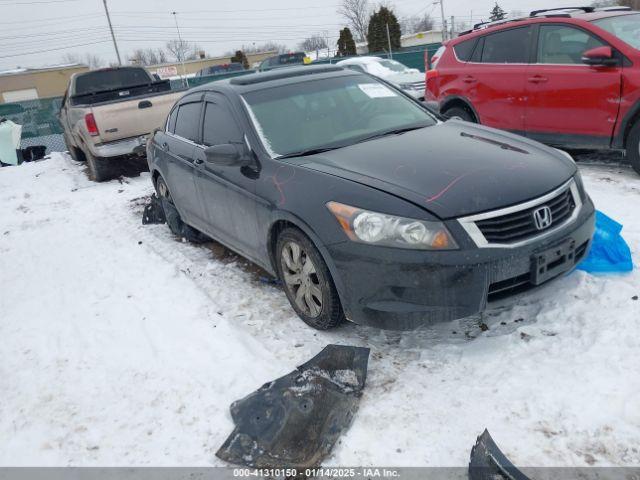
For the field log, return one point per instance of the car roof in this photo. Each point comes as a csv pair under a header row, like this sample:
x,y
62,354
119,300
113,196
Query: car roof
x,y
275,78
567,15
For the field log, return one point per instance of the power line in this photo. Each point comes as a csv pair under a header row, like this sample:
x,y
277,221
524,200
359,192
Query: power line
x,y
52,49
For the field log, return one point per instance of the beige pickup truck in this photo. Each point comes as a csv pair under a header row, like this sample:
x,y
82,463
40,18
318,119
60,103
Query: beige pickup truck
x,y
108,114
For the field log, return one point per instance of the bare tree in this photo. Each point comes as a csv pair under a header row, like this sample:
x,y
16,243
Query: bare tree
x,y
315,42
148,56
183,50
89,59
356,13
416,24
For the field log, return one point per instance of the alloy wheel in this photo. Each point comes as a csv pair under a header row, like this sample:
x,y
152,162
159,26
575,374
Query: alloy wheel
x,y
301,279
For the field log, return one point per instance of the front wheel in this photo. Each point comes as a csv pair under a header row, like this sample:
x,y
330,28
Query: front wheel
x,y
633,147
307,281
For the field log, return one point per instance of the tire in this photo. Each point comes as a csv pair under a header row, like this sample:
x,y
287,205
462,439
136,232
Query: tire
x,y
633,147
99,168
74,151
459,113
172,216
307,281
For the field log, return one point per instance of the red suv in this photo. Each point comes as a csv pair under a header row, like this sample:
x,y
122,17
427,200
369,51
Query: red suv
x,y
566,77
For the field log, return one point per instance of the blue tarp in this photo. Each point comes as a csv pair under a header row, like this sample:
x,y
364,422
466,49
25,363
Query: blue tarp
x,y
609,252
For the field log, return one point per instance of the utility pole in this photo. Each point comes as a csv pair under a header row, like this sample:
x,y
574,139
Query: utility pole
x,y
184,70
444,20
113,37
389,42
452,27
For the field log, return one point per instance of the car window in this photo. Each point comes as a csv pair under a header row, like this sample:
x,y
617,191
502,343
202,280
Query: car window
x,y
509,46
219,126
562,44
625,27
171,123
464,50
110,79
188,121
330,113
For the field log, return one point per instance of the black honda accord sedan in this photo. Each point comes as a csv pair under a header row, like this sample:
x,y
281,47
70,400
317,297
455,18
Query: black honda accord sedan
x,y
363,203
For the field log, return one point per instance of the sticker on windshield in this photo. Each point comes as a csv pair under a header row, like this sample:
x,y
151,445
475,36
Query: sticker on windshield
x,y
376,90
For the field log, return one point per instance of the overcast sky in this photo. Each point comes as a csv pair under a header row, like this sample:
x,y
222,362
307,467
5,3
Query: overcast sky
x,y
35,33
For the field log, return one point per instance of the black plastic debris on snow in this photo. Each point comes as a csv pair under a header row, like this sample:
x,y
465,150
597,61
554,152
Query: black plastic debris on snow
x,y
295,421
489,463
153,212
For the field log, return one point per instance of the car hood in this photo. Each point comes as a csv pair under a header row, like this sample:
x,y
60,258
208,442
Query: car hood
x,y
452,169
400,78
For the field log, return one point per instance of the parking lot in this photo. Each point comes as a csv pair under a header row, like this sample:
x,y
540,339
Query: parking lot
x,y
122,345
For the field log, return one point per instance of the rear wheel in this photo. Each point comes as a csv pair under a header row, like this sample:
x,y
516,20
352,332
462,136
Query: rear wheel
x,y
99,168
459,113
633,147
172,217
307,281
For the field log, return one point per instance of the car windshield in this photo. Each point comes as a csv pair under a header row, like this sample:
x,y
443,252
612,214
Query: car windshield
x,y
392,65
330,113
625,27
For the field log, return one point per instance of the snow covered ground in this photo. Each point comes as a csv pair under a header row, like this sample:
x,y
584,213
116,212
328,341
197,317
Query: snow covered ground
x,y
120,345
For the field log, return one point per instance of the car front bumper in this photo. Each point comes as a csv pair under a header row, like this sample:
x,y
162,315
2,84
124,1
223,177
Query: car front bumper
x,y
400,289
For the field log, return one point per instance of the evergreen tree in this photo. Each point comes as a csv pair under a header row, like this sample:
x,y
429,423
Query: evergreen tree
x,y
240,57
497,13
346,44
377,33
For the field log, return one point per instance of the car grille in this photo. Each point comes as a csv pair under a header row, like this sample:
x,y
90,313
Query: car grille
x,y
520,225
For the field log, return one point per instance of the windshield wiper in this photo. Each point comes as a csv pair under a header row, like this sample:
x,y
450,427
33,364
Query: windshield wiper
x,y
397,131
306,153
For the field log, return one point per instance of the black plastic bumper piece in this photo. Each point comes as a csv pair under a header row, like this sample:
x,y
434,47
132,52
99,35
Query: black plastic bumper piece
x,y
489,463
295,420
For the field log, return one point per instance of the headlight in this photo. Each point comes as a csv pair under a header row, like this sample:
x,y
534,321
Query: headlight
x,y
390,231
578,179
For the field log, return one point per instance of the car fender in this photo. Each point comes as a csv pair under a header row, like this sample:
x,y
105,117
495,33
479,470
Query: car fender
x,y
631,117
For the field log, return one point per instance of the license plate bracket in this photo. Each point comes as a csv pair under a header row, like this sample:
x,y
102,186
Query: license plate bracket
x,y
552,262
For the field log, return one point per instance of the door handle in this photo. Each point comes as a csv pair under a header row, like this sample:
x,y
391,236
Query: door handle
x,y
469,80
538,79
165,146
198,161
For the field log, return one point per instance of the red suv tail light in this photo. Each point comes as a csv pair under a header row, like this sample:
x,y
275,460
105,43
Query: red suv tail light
x,y
92,126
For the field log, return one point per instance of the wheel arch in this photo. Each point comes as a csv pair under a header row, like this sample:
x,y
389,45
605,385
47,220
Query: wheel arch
x,y
630,119
458,101
282,220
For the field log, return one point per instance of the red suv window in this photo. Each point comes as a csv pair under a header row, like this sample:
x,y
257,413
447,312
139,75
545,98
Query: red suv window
x,y
508,46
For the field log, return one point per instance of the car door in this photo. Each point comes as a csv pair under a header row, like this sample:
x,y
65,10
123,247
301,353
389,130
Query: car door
x,y
569,102
178,146
494,79
227,192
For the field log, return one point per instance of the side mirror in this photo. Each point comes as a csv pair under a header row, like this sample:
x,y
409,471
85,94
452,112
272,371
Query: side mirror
x,y
227,155
599,57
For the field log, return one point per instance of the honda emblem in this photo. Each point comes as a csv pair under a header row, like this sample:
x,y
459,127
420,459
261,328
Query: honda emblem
x,y
542,218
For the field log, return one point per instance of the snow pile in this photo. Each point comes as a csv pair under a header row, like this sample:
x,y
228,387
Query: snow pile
x,y
122,346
